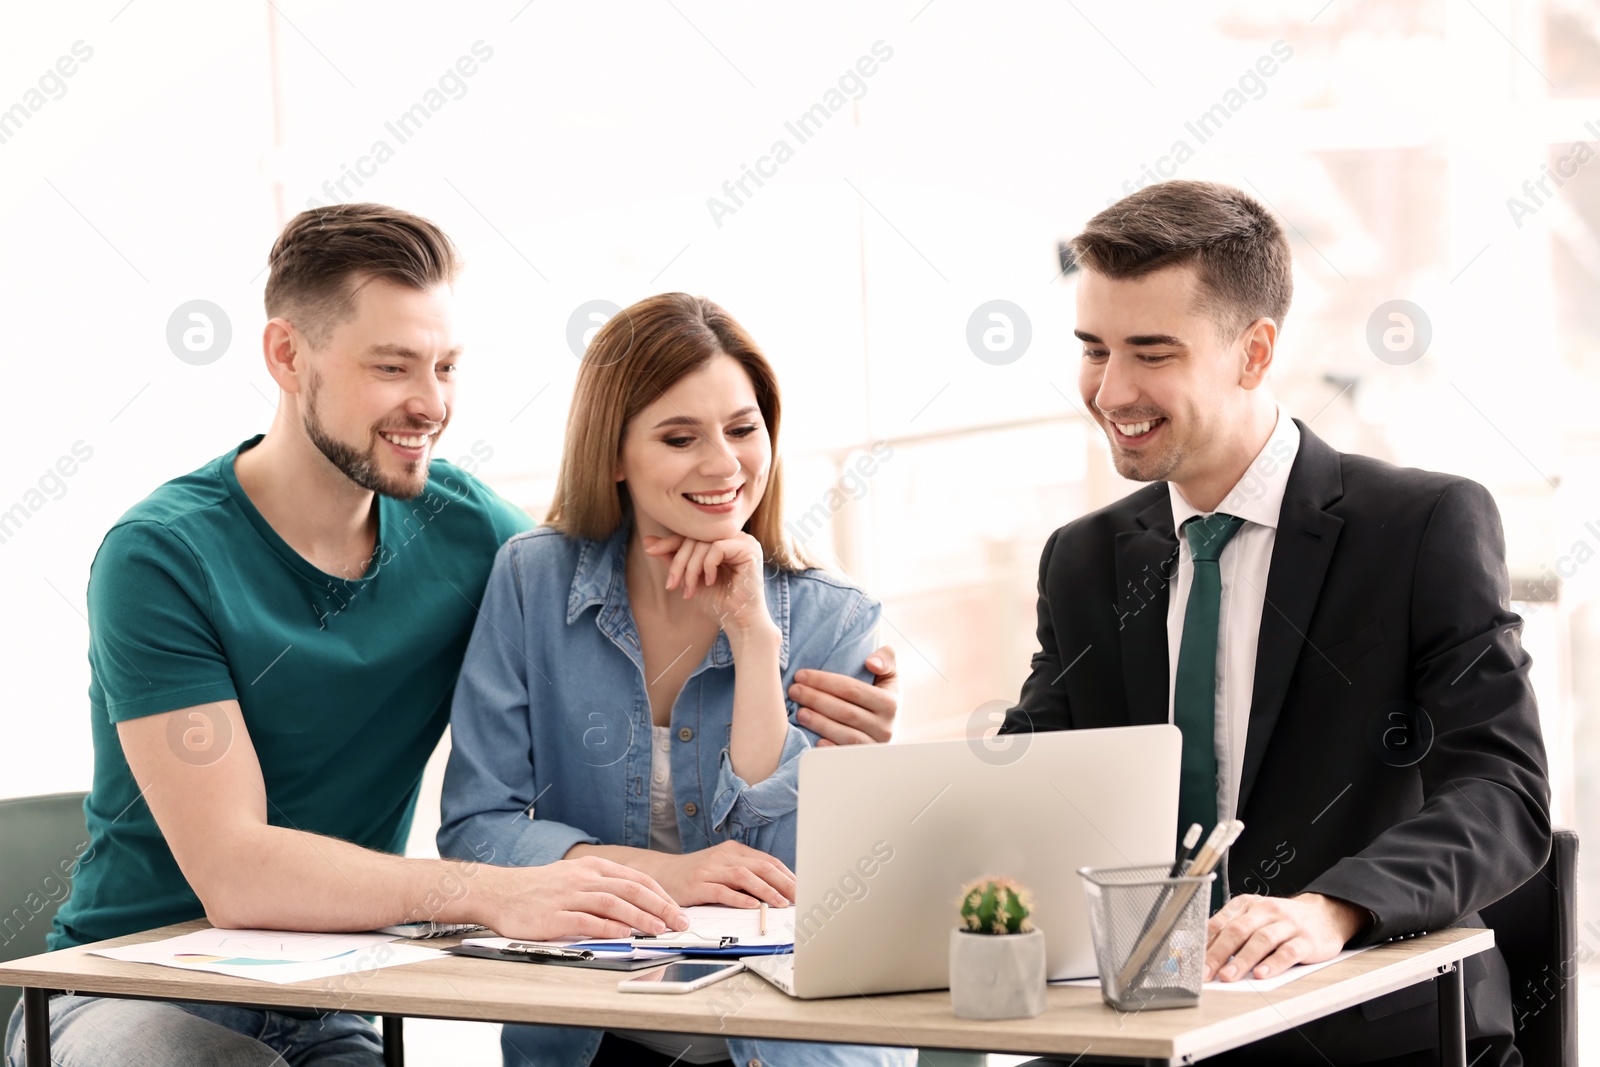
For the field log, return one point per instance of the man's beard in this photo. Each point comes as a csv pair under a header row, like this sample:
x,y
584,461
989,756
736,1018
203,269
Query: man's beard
x,y
1142,468
363,468
1143,465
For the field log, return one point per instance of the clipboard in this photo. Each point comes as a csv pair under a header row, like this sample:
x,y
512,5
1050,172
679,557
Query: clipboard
x,y
734,951
598,961
722,947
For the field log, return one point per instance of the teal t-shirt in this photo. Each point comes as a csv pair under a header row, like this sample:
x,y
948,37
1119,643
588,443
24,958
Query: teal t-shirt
x,y
344,685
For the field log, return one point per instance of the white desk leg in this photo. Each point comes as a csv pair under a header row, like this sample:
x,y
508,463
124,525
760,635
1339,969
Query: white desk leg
x,y
1452,1016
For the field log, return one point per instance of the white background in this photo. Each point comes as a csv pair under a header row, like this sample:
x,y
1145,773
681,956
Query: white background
x,y
576,164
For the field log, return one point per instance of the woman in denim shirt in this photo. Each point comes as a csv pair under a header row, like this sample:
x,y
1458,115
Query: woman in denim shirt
x,y
623,692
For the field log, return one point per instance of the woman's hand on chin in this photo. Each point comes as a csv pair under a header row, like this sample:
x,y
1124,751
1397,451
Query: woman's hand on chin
x,y
725,578
727,873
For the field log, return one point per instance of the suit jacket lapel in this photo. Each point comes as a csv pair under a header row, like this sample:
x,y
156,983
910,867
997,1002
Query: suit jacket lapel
x,y
1146,563
1302,550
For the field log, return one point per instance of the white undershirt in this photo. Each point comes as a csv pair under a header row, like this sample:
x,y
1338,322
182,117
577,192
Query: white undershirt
x,y
1244,564
665,837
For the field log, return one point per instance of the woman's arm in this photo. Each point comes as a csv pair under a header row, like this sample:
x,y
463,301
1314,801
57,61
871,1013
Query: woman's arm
x,y
729,578
760,720
832,629
726,579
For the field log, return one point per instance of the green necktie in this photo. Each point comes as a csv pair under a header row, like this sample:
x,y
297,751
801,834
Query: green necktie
x,y
1194,694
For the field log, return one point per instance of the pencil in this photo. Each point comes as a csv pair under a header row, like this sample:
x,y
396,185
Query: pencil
x,y
763,918
1186,850
1143,954
1179,865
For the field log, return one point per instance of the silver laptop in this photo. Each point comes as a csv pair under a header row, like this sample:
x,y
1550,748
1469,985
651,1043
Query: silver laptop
x,y
889,835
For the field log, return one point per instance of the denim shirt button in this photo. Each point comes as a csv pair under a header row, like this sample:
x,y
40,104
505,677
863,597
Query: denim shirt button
x,y
690,808
685,734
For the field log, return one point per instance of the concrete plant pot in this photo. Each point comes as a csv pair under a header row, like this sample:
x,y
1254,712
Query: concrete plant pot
x,y
997,976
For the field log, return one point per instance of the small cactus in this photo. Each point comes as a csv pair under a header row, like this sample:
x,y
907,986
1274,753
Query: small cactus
x,y
996,906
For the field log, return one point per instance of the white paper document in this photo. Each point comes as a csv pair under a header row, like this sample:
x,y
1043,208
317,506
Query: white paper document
x,y
711,921
275,956
1245,985
1263,985
707,922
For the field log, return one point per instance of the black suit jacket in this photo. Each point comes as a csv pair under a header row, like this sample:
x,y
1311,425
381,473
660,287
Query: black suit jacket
x,y
1393,756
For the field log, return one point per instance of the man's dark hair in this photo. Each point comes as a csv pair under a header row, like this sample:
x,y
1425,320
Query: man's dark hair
x,y
1237,248
325,255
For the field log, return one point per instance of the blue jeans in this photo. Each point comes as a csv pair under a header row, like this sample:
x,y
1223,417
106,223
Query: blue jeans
x,y
92,1031
566,1046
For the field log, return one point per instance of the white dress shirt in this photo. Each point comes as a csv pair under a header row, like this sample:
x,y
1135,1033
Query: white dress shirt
x,y
1244,563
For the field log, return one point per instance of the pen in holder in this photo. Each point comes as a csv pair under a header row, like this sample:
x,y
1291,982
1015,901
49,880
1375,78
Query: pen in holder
x,y
1163,965
1149,933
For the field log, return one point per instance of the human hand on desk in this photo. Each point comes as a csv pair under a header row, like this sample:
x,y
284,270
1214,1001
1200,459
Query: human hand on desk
x,y
846,710
585,897
726,873
1258,937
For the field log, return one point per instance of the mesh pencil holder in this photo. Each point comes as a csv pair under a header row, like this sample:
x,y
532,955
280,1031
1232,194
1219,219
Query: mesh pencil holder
x,y
1149,933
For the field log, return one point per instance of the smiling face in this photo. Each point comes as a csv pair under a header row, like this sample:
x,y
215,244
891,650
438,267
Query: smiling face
x,y
1177,401
380,391
696,460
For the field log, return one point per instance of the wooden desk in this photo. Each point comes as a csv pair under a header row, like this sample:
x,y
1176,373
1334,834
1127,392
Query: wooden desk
x,y
1076,1021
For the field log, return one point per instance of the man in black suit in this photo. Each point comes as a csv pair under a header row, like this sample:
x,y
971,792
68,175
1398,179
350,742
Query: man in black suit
x,y
1331,633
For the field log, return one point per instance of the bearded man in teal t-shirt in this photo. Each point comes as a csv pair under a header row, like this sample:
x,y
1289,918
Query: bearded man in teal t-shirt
x,y
274,641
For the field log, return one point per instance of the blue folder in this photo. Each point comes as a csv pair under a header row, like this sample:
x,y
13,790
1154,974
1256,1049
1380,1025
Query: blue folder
x,y
692,950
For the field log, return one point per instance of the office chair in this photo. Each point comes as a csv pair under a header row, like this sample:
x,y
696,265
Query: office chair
x,y
41,840
1536,930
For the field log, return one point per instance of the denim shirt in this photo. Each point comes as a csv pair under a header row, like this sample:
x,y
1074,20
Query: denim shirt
x,y
550,736
550,726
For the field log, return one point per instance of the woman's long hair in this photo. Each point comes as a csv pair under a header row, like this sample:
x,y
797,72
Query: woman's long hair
x,y
640,353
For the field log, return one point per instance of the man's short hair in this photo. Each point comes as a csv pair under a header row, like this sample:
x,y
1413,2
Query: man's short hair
x,y
1237,248
326,254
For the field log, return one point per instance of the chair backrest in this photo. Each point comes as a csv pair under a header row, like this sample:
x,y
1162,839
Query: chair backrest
x,y
42,841
1536,930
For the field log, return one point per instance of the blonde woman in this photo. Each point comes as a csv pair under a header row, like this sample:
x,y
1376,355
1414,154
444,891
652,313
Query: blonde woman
x,y
623,695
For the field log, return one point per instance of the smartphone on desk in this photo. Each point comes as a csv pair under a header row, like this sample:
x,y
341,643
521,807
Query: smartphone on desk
x,y
683,977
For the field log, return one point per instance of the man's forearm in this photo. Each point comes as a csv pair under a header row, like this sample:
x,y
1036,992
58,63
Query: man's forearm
x,y
283,879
